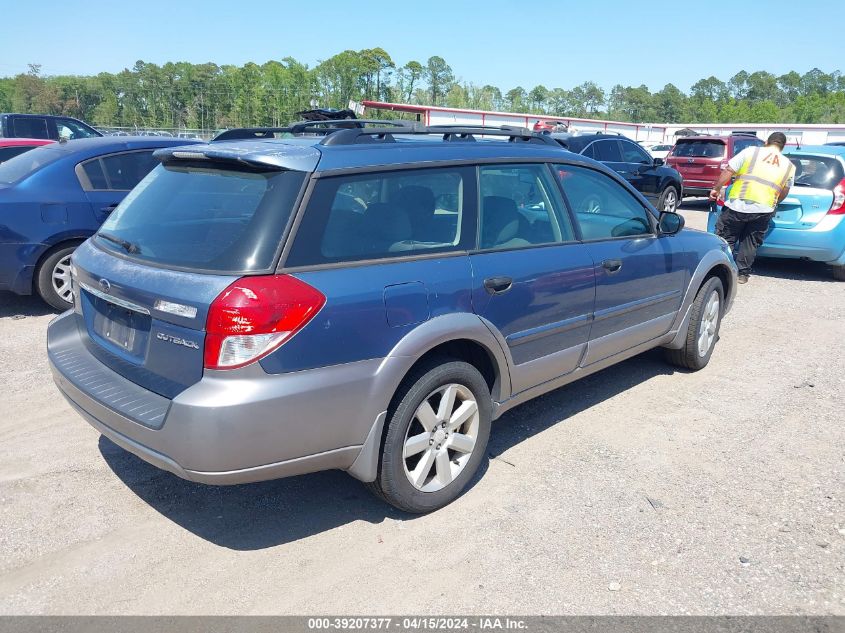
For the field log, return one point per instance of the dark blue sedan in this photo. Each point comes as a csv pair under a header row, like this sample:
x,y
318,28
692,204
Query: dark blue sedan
x,y
55,197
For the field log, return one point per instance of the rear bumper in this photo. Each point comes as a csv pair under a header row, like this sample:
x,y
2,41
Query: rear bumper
x,y
824,242
16,271
231,429
697,190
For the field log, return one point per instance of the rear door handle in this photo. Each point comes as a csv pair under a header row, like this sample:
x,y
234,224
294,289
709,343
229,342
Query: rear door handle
x,y
612,265
498,285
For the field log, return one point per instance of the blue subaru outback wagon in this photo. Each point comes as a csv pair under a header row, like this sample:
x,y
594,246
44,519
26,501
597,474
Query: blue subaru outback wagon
x,y
369,299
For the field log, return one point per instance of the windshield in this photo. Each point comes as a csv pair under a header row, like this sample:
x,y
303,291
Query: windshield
x,y
699,149
817,171
204,218
17,168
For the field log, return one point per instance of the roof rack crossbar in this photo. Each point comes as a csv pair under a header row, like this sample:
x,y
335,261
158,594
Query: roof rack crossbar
x,y
304,127
449,132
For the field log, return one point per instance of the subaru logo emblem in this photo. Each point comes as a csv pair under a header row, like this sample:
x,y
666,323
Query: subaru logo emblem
x,y
105,286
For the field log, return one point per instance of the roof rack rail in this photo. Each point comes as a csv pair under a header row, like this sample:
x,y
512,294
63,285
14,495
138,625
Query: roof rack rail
x,y
449,132
303,127
238,133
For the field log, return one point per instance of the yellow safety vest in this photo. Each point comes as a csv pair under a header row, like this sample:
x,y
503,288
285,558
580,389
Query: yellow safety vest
x,y
762,178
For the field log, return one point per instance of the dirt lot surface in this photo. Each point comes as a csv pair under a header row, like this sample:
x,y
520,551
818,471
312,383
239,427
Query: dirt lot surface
x,y
638,490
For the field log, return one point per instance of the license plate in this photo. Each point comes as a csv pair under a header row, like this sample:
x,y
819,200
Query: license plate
x,y
116,325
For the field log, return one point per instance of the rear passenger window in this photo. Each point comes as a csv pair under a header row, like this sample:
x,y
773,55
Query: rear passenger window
x,y
607,151
603,208
118,172
520,206
26,127
94,171
388,214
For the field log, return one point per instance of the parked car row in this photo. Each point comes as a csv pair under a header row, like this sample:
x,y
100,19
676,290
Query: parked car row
x,y
145,132
54,197
810,222
700,159
365,299
662,185
44,126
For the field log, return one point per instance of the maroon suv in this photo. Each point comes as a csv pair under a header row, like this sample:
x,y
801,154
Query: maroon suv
x,y
700,159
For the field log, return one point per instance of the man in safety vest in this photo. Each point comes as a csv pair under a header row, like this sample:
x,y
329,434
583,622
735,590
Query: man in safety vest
x,y
763,177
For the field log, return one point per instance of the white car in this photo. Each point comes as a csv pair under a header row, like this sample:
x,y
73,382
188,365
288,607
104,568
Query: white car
x,y
658,150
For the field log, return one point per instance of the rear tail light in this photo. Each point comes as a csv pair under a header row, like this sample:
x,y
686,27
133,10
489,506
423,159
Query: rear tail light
x,y
838,205
254,316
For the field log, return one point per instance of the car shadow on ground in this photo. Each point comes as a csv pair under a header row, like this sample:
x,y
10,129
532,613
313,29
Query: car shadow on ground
x,y
793,269
17,306
261,515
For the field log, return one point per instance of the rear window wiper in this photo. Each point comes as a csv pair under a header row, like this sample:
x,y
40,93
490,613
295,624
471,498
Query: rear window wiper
x,y
128,246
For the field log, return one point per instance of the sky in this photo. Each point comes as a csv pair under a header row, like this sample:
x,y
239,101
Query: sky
x,y
499,42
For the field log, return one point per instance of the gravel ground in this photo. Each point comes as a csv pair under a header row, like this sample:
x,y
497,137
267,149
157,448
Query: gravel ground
x,y
639,490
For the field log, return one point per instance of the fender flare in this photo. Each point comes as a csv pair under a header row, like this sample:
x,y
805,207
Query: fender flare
x,y
413,346
708,263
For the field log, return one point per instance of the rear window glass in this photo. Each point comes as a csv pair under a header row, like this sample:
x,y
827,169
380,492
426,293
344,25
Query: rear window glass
x,y
699,149
389,214
19,167
820,172
205,218
741,144
10,152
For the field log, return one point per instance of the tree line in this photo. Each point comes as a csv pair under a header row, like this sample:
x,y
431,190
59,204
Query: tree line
x,y
209,96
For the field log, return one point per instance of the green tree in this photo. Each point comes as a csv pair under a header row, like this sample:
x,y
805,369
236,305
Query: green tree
x,y
738,85
670,104
439,76
537,98
514,98
762,86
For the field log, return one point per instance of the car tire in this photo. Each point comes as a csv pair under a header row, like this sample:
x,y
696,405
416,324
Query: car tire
x,y
669,196
430,451
703,329
839,273
52,281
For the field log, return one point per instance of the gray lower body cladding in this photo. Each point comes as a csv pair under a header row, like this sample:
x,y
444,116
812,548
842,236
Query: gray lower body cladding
x,y
232,427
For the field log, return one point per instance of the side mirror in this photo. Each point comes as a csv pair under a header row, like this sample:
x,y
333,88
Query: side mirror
x,y
670,223
658,162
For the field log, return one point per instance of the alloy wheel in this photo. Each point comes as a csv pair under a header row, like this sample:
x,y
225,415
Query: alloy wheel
x,y
441,437
709,323
670,202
